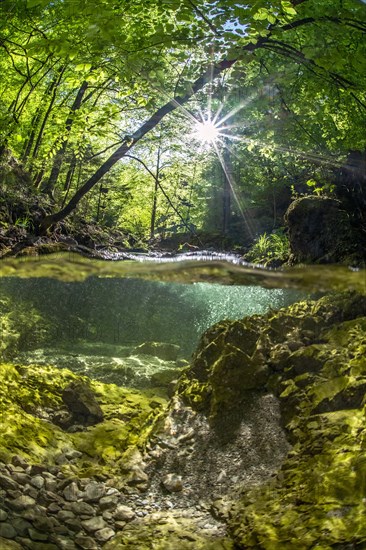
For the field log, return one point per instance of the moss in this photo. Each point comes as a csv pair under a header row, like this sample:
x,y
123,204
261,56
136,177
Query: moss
x,y
239,356
164,532
25,393
317,499
6,544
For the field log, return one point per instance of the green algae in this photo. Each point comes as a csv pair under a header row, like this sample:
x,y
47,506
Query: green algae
x,y
164,532
311,355
318,497
26,393
314,353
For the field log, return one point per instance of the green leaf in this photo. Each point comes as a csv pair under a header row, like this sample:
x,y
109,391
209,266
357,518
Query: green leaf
x,y
288,8
261,14
83,67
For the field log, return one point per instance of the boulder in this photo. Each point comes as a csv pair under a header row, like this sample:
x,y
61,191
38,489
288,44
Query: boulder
x,y
82,404
319,231
163,350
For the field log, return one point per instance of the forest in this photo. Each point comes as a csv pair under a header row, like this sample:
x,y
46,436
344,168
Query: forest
x,y
194,121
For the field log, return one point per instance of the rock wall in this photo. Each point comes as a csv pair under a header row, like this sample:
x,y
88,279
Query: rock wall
x,y
312,356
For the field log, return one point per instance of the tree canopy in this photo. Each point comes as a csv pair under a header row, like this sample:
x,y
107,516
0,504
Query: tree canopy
x,y
107,92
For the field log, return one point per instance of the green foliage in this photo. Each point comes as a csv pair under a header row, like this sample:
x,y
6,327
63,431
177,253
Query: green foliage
x,y
268,248
76,82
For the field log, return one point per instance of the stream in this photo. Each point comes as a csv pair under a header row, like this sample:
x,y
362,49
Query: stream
x,y
99,317
102,326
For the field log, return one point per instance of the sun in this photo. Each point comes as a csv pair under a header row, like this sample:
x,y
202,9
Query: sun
x,y
206,132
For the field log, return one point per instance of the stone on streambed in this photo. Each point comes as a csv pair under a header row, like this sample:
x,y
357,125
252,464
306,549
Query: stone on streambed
x,y
82,404
162,350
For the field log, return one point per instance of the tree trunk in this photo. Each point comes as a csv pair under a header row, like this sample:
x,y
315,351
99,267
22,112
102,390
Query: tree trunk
x,y
52,91
57,163
129,142
155,198
226,193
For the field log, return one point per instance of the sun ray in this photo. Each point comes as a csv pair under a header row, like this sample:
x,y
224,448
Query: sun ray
x,y
231,182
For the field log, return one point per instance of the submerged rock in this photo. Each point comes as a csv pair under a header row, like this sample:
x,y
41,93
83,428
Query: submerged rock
x,y
151,478
82,404
163,350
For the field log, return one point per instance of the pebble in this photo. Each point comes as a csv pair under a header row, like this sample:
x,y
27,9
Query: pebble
x,y
173,483
94,524
108,502
87,543
53,508
22,502
21,526
124,513
64,543
37,535
93,492
104,534
63,515
71,492
37,482
7,531
49,510
73,454
82,508
7,483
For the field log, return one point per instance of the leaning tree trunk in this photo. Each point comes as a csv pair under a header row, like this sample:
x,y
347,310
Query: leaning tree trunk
x,y
130,141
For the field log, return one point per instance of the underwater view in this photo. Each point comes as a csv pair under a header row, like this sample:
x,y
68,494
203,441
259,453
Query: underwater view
x,y
180,413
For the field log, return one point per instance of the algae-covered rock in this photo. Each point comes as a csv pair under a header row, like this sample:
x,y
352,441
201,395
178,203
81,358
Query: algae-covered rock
x,y
31,399
317,499
163,350
82,404
166,531
312,355
225,367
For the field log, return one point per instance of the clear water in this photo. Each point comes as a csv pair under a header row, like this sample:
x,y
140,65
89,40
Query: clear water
x,y
91,315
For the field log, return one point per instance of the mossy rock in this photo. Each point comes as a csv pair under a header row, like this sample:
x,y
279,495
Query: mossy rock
x,y
28,395
162,531
234,357
320,231
317,500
